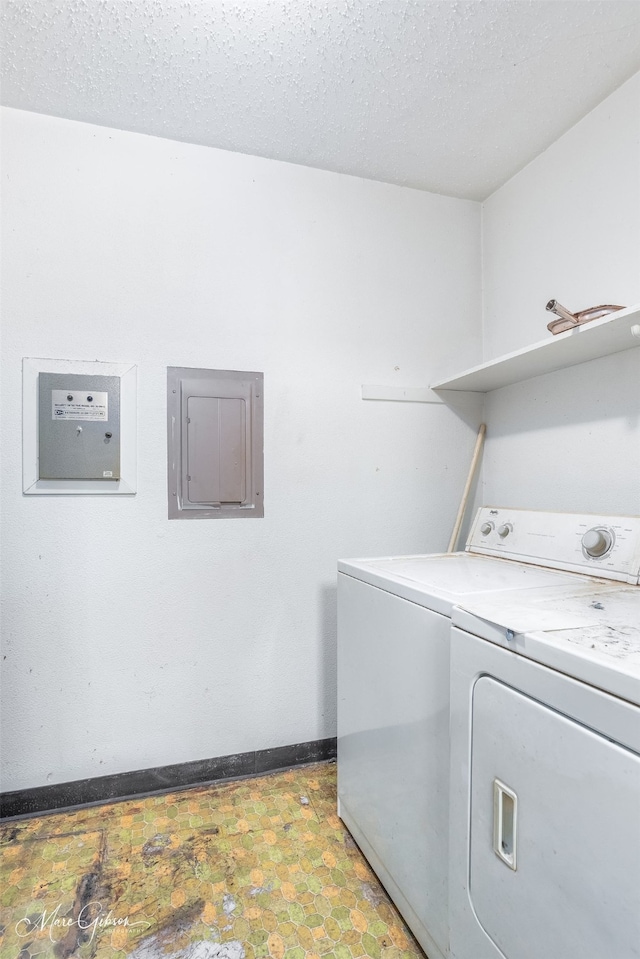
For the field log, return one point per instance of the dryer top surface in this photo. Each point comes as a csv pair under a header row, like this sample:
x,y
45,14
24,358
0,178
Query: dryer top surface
x,y
591,633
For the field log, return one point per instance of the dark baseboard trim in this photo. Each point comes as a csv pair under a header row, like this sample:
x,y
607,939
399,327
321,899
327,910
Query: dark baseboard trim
x,y
145,782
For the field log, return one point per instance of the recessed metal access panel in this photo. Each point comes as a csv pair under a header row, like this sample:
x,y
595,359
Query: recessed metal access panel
x,y
78,427
215,430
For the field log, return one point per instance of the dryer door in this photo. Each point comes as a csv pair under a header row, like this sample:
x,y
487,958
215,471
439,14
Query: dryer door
x,y
554,867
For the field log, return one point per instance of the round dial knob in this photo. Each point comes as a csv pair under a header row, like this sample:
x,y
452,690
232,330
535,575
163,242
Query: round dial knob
x,y
486,528
504,530
597,542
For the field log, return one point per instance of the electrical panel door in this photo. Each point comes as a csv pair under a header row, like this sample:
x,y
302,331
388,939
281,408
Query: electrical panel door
x,y
78,427
215,443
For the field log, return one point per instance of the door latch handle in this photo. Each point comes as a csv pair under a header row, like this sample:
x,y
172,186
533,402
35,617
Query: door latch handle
x,y
505,823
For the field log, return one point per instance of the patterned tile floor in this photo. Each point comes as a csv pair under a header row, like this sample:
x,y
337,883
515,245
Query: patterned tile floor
x,y
254,868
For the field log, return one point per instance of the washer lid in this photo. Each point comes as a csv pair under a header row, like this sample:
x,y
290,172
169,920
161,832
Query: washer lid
x,y
442,580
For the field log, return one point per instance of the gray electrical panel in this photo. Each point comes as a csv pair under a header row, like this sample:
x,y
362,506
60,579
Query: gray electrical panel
x,y
79,427
215,429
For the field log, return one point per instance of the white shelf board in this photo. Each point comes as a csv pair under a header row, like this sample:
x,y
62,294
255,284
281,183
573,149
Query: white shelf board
x,y
404,394
609,334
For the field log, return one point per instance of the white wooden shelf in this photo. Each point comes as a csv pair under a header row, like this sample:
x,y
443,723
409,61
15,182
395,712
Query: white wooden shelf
x,y
610,334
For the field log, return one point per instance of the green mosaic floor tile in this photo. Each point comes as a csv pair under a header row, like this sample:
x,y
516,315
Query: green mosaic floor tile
x,y
46,881
245,870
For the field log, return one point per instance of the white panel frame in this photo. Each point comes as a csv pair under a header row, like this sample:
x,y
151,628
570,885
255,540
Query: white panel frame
x,y
128,373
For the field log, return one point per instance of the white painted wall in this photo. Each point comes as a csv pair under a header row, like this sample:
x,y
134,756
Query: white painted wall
x,y
132,641
567,227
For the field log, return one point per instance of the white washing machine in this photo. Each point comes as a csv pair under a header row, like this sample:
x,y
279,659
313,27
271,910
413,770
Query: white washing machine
x,y
394,624
545,767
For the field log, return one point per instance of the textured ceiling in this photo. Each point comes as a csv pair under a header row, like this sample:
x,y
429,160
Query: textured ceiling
x,y
452,97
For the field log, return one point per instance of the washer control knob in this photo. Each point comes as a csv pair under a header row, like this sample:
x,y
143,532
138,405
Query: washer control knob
x,y
596,542
504,530
486,528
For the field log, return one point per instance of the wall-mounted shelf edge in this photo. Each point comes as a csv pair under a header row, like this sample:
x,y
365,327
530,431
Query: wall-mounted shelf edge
x,y
405,394
610,334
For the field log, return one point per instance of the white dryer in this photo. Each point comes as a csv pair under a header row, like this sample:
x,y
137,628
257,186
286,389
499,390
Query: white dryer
x,y
394,624
545,766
